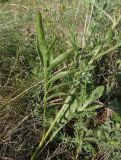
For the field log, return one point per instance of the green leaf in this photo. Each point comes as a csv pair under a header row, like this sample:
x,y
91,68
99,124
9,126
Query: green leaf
x,y
39,53
54,104
61,58
61,75
41,37
93,108
91,139
70,112
49,52
56,87
56,95
110,35
95,95
108,51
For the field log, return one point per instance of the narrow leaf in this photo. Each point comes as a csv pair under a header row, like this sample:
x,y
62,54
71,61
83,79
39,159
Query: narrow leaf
x,y
41,37
59,86
61,58
39,53
108,51
93,108
61,75
109,36
96,94
56,95
54,104
49,52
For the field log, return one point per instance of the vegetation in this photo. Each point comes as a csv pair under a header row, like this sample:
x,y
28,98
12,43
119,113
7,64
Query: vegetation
x,y
60,80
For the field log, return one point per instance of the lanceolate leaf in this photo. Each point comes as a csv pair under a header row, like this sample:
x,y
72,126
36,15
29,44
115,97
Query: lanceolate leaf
x,y
54,104
61,58
41,37
70,112
39,53
96,94
56,87
50,53
108,51
56,95
61,75
93,108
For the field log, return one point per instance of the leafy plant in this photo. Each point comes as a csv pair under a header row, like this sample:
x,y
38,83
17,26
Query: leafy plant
x,y
78,69
50,80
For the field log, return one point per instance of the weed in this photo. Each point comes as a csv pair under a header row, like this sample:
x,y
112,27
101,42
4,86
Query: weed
x,y
60,80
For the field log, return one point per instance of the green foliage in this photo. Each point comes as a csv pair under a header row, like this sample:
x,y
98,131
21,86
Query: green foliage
x,y
75,54
72,104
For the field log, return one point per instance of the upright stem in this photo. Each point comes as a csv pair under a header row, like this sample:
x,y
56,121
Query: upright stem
x,y
45,100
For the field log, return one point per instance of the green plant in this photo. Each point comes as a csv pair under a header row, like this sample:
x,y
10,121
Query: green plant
x,y
78,47
51,78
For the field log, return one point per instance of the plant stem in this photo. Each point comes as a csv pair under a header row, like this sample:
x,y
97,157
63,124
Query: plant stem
x,y
45,99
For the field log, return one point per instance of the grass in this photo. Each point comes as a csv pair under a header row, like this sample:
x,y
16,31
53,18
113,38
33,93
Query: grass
x,y
60,80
